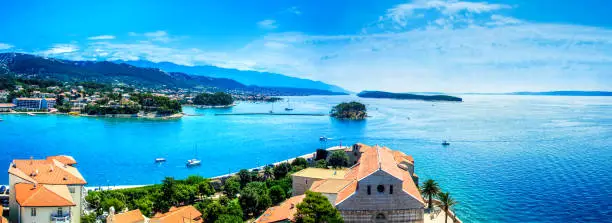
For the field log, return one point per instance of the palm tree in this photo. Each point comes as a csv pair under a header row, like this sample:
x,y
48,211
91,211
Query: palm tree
x,y
430,188
446,202
268,172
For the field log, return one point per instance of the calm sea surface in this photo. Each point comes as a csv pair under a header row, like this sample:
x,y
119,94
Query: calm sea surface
x,y
511,158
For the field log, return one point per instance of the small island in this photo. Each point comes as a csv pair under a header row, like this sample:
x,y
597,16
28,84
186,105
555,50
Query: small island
x,y
216,100
351,110
406,96
145,105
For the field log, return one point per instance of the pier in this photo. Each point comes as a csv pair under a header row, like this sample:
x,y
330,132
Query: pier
x,y
263,113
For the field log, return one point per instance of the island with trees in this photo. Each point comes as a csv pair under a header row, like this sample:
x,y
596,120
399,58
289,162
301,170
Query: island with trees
x,y
216,100
407,96
349,110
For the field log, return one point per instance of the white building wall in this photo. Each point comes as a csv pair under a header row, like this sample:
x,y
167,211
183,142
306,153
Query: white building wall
x,y
43,214
13,206
77,197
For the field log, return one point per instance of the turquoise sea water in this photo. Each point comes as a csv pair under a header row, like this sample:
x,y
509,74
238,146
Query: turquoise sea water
x,y
511,158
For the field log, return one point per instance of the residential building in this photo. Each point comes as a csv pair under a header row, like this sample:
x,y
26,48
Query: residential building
x,y
184,214
380,187
133,216
2,218
6,107
284,212
34,103
48,190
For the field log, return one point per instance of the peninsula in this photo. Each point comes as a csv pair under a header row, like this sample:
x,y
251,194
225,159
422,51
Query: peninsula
x,y
407,96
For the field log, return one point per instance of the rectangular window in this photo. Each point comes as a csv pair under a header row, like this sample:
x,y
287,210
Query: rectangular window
x,y
33,212
59,212
390,189
369,189
71,189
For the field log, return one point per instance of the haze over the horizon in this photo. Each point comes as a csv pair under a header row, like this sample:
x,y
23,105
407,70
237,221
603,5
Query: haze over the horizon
x,y
399,46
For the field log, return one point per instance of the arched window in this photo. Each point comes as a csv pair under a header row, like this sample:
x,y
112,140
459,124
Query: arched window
x,y
380,188
380,216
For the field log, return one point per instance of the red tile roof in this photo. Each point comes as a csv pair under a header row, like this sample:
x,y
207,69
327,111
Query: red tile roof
x,y
48,171
283,212
65,159
184,214
133,216
29,195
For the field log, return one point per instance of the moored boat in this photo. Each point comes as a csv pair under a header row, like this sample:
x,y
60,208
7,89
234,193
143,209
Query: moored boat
x,y
160,160
193,162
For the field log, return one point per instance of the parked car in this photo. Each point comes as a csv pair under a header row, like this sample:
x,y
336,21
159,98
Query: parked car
x,y
2,189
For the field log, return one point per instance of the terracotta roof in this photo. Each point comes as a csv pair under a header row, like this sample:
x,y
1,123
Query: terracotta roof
x,y
65,159
400,156
7,105
410,187
3,220
184,214
347,192
330,186
320,173
283,212
29,195
48,171
133,216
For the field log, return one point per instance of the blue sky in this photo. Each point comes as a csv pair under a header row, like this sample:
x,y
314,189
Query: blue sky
x,y
401,46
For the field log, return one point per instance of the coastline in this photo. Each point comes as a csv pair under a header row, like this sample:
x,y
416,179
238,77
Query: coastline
x,y
211,106
146,116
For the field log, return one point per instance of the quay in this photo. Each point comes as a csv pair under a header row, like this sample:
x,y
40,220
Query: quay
x,y
263,113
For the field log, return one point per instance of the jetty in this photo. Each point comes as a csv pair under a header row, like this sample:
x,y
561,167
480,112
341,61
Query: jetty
x,y
263,113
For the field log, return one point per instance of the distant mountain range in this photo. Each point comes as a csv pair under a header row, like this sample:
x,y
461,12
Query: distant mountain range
x,y
264,79
112,72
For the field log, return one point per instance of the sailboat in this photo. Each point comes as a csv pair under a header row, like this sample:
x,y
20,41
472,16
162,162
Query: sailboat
x,y
288,108
272,111
194,161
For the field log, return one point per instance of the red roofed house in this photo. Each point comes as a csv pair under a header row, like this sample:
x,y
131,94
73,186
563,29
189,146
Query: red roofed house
x,y
283,212
133,216
184,214
380,187
49,190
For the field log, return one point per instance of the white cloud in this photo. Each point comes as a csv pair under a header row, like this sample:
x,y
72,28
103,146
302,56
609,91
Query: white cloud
x,y
294,10
490,52
60,49
5,46
102,37
267,24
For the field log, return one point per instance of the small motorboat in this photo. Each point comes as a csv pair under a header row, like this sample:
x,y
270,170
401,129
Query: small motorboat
x,y
193,162
288,109
446,143
31,114
160,160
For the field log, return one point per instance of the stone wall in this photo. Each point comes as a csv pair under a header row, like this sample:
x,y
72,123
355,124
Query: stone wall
x,y
382,216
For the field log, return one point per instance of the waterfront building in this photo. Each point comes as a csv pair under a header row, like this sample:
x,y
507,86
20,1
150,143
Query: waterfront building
x,y
284,212
184,214
380,187
48,190
6,107
34,103
133,216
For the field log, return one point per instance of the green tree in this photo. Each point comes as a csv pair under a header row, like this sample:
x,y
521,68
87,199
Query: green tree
x,y
216,99
446,203
89,218
321,164
185,194
231,187
205,188
316,208
213,211
299,162
145,206
277,194
254,199
93,199
225,218
430,189
338,159
281,170
268,172
233,208
112,202
245,177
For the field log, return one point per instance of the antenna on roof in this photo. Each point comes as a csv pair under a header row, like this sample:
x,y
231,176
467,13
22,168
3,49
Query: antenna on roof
x,y
51,168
